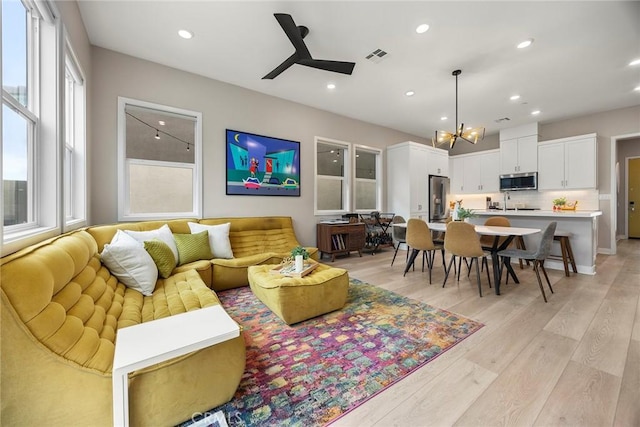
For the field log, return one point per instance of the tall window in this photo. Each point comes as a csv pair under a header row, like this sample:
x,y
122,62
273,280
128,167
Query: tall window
x,y
159,161
19,115
332,177
368,185
74,167
32,122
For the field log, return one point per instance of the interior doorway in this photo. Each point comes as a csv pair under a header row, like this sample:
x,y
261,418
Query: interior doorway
x,y
618,213
633,198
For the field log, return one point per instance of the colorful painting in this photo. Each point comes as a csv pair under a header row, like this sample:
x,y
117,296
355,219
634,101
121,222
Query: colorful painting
x,y
260,165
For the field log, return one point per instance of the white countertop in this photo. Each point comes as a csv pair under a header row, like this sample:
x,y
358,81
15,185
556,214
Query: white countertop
x,y
539,213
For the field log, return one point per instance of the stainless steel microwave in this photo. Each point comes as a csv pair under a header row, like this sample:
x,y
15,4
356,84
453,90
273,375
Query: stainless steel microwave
x,y
519,181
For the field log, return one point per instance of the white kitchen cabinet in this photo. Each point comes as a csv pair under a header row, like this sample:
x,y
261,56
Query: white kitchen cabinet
x,y
438,162
456,165
519,149
476,173
568,163
409,165
489,176
418,179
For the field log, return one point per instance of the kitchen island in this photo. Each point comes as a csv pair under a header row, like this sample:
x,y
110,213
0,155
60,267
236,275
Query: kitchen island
x,y
582,224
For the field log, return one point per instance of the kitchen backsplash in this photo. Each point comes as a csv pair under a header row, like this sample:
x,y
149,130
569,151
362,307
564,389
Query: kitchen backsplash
x,y
587,199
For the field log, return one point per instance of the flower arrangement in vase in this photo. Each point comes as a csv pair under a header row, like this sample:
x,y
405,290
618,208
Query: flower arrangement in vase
x,y
461,214
299,254
465,214
559,203
299,250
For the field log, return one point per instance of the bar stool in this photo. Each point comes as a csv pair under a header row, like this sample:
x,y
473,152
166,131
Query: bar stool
x,y
562,237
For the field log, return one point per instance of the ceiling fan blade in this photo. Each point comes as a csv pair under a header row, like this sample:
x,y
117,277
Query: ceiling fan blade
x,y
335,66
280,68
291,30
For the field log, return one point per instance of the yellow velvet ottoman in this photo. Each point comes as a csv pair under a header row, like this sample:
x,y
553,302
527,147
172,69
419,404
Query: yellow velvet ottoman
x,y
295,299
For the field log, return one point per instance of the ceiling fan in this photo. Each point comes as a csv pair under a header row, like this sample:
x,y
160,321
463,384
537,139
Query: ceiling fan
x,y
471,135
301,55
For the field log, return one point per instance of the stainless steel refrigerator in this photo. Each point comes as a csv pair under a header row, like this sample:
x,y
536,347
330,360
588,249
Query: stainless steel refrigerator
x,y
438,190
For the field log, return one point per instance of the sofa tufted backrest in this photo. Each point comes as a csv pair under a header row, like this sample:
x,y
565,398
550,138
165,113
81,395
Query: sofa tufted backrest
x,y
258,235
104,233
68,301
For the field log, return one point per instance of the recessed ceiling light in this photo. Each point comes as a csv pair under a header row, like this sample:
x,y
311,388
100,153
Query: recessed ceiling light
x,y
514,97
422,28
635,62
185,34
409,93
525,43
331,86
443,118
535,112
161,122
637,89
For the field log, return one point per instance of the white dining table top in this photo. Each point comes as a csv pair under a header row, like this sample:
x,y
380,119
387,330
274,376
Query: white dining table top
x,y
487,230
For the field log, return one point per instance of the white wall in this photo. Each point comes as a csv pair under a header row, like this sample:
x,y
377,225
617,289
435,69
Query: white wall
x,y
223,106
227,106
607,124
626,149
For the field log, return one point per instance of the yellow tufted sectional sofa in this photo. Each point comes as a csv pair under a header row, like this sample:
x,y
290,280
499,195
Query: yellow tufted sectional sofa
x,y
61,310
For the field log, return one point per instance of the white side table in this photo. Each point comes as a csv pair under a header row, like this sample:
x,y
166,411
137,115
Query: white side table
x,y
146,344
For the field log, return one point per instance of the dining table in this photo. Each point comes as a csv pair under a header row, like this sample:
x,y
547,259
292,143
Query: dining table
x,y
498,245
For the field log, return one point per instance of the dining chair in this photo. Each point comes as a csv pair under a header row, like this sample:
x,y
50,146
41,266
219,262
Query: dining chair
x,y
419,239
487,242
438,237
399,235
462,241
537,257
494,221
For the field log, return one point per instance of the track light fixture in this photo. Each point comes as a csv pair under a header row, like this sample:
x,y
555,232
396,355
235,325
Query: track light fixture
x,y
158,132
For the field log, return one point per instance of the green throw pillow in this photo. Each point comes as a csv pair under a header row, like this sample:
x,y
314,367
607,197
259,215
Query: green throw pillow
x,y
162,255
193,247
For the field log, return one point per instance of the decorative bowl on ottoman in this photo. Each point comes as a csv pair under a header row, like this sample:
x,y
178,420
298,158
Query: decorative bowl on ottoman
x,y
295,299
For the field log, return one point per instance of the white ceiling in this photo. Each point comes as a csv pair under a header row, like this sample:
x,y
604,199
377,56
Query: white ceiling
x,y
578,63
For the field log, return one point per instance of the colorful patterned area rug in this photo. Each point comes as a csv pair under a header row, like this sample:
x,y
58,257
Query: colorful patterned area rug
x,y
312,372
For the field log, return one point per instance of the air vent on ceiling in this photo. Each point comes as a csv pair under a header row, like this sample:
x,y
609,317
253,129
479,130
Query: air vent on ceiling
x,y
504,119
377,55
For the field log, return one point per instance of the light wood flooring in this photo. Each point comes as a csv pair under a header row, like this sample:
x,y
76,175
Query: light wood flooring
x,y
574,361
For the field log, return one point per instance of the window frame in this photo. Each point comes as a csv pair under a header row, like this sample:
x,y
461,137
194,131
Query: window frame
x,y
74,193
346,176
30,113
378,178
124,211
45,52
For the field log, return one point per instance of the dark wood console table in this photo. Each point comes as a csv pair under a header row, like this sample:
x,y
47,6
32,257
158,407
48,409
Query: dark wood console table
x,y
336,239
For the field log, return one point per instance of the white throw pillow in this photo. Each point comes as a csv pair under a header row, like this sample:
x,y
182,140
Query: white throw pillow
x,y
218,238
163,233
127,259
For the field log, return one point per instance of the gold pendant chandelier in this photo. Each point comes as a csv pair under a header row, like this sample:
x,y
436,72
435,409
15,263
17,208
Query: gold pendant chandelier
x,y
471,135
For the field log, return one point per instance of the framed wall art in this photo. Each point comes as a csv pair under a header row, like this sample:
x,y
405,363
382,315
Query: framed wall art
x,y
259,165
